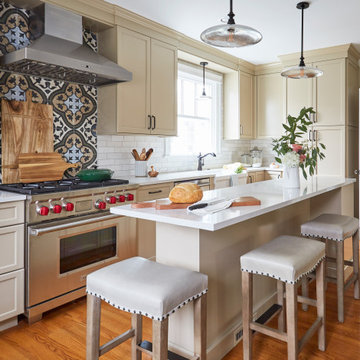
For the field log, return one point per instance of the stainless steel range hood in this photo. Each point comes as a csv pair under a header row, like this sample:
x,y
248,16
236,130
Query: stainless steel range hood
x,y
58,52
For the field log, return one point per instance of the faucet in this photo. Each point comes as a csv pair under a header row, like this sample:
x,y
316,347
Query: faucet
x,y
201,159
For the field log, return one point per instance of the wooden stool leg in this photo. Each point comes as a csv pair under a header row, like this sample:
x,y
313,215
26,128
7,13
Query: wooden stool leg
x,y
247,313
340,279
304,291
200,318
93,308
281,302
160,339
136,324
356,264
291,320
321,304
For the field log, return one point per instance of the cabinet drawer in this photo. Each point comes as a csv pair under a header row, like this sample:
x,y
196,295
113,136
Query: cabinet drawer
x,y
12,294
273,175
259,176
11,248
11,213
154,192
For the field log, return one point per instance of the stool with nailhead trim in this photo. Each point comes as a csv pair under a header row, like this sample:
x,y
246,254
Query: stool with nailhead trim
x,y
286,259
145,288
337,228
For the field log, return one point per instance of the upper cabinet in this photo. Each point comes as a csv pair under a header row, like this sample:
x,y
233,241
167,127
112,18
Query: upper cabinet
x,y
270,104
329,97
147,104
238,105
247,106
299,94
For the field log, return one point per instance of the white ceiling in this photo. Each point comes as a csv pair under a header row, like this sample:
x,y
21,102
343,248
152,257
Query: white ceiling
x,y
327,22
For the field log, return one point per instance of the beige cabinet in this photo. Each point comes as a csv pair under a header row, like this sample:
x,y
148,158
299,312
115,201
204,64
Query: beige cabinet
x,y
270,104
329,97
299,94
11,262
255,176
333,137
246,106
239,106
147,104
273,174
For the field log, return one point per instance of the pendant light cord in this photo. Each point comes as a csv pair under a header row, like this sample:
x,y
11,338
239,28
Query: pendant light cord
x,y
302,63
231,15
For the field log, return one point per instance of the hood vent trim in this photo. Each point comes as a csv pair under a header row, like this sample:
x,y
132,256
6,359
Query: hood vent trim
x,y
59,58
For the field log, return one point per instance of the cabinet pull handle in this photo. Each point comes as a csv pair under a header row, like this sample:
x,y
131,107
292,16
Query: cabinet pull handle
x,y
309,135
314,135
150,122
241,129
154,118
155,192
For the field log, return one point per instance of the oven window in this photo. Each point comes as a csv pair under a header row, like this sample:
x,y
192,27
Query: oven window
x,y
84,249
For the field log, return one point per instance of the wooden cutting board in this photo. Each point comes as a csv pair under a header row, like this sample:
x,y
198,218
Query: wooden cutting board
x,y
168,205
34,167
26,127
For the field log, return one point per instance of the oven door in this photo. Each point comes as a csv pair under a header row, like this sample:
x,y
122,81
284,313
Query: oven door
x,y
62,253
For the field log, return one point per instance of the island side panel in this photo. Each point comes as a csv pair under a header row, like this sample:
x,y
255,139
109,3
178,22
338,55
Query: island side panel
x,y
217,254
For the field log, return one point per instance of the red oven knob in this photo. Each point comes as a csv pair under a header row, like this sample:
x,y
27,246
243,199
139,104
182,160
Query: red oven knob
x,y
111,199
42,210
130,197
69,206
101,205
122,198
56,209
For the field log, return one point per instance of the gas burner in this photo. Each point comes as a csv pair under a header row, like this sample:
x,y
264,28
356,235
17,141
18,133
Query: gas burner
x,y
58,186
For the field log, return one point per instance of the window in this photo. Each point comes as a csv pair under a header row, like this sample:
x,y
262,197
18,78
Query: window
x,y
198,119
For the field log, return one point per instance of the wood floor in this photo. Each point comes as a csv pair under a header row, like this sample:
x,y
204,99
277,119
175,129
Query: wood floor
x,y
61,335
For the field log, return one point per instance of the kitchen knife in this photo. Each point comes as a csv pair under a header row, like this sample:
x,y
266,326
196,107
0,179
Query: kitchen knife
x,y
205,204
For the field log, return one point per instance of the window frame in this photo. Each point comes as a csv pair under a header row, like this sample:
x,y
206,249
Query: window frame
x,y
192,72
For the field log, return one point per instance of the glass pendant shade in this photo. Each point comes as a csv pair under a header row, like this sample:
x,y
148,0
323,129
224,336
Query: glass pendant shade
x,y
301,72
230,35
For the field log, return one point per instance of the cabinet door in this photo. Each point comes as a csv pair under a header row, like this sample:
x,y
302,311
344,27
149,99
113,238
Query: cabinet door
x,y
12,294
133,100
11,248
270,104
163,88
334,140
299,94
330,93
259,176
246,106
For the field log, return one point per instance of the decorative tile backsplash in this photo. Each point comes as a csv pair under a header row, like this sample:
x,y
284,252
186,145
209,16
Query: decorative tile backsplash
x,y
74,105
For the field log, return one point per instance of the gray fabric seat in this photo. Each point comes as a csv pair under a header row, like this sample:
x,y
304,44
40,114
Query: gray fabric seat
x,y
331,226
286,258
141,286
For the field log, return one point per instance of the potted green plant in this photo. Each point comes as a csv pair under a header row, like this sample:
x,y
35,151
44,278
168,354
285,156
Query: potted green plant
x,y
294,151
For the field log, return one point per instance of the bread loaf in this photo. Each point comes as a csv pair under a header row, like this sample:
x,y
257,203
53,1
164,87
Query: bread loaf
x,y
186,193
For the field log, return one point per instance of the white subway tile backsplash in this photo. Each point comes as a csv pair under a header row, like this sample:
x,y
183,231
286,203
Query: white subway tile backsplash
x,y
115,152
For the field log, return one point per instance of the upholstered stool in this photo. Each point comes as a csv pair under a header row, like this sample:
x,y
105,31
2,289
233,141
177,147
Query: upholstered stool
x,y
337,228
286,259
143,287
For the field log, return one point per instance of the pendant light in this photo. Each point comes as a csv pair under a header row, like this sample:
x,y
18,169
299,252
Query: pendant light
x,y
203,95
230,34
302,71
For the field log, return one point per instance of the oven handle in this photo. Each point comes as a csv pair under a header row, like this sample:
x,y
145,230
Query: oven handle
x,y
38,232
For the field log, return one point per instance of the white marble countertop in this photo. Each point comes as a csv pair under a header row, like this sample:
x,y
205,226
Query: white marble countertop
x,y
182,175
271,193
6,196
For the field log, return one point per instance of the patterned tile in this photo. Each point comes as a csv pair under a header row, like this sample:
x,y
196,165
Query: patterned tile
x,y
74,105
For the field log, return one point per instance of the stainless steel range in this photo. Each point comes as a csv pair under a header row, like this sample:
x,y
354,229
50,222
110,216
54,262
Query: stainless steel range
x,y
70,233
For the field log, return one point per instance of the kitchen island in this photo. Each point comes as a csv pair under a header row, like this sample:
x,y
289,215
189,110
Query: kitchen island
x,y
213,244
